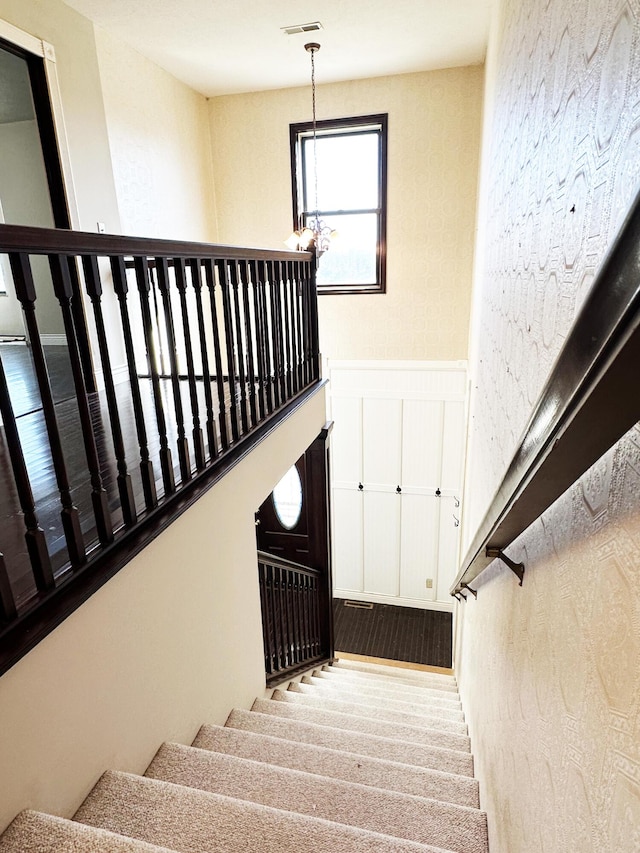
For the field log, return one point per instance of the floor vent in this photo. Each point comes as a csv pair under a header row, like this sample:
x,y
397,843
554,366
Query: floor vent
x,y
361,605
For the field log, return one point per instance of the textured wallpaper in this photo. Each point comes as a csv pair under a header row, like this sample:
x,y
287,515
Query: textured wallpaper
x,y
551,672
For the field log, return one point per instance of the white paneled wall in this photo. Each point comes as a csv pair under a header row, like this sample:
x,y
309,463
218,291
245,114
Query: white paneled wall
x,y
397,457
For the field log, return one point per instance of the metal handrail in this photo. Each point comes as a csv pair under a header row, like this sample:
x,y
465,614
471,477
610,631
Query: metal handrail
x,y
588,403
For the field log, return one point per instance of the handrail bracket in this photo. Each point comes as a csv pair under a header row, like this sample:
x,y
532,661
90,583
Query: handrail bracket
x,y
516,568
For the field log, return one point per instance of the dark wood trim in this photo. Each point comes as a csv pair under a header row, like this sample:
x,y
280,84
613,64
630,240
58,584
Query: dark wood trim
x,y
24,633
297,167
588,403
45,241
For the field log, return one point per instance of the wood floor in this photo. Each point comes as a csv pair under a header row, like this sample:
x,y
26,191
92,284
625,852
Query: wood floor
x,y
396,633
16,359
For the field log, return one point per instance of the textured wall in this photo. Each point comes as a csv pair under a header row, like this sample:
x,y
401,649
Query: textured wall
x,y
434,138
551,672
159,139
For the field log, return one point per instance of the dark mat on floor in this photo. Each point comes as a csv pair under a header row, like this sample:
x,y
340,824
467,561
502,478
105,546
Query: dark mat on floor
x,y
397,633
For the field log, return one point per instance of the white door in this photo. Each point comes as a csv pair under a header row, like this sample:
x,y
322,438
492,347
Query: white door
x,y
397,457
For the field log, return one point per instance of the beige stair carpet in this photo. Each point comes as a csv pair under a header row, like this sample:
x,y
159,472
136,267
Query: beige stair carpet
x,y
339,764
397,671
391,680
321,687
191,821
448,760
453,827
34,832
424,694
356,758
306,695
283,704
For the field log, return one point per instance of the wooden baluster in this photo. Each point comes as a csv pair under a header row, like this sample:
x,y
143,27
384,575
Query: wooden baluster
x,y
262,336
242,379
243,271
286,328
93,285
198,438
196,280
306,325
260,340
34,534
26,294
59,265
313,321
143,280
306,628
121,287
162,270
297,291
316,616
273,622
296,617
224,272
284,622
222,407
293,305
8,610
262,583
276,332
267,302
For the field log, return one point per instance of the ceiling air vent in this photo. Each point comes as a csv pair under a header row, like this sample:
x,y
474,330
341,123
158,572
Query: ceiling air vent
x,y
302,28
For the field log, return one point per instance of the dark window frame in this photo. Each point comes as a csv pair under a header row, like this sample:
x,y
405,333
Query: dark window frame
x,y
297,190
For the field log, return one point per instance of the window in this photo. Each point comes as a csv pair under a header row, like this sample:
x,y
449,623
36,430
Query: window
x,y
349,161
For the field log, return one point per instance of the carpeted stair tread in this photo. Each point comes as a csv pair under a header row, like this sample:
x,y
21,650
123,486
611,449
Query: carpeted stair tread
x,y
306,695
284,704
425,694
451,827
35,832
400,671
193,821
383,699
390,680
340,764
437,758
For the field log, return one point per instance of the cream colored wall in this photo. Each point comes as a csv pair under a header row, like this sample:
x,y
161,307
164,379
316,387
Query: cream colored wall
x,y
172,641
550,672
434,137
159,138
72,37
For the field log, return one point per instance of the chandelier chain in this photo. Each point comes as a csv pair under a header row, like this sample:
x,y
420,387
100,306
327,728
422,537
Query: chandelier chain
x,y
315,141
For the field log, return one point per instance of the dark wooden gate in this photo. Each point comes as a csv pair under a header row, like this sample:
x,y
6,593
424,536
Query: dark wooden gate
x,y
294,566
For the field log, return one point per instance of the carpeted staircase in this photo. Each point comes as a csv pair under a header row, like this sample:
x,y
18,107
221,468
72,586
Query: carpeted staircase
x,y
356,757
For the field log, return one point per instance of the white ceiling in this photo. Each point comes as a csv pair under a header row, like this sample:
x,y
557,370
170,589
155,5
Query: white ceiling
x,y
225,46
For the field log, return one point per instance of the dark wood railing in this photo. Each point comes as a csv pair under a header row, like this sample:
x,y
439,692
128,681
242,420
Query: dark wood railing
x,y
292,614
588,402
203,349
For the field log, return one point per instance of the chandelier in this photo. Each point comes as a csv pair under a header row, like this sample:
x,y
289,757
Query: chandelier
x,y
317,234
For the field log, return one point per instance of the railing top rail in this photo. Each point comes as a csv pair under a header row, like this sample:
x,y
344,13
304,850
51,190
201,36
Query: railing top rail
x,y
281,563
587,404
41,241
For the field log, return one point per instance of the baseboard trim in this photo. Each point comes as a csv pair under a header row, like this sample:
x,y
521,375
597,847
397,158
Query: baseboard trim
x,y
443,606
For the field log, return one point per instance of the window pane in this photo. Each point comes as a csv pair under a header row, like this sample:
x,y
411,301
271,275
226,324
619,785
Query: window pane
x,y
347,172
352,256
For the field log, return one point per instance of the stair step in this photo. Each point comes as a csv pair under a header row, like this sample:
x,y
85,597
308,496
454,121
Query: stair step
x,y
396,671
437,758
339,764
306,695
193,821
350,681
282,704
34,832
456,828
391,699
390,680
